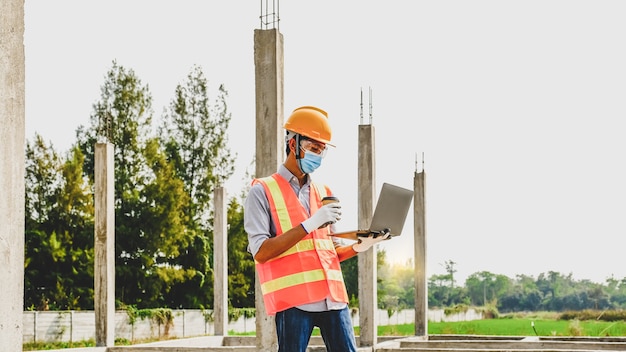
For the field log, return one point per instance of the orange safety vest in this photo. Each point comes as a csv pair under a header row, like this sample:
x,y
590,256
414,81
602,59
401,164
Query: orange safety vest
x,y
307,272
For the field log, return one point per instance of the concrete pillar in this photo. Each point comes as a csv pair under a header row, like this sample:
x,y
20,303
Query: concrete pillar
x,y
220,263
270,153
368,319
104,245
12,143
419,226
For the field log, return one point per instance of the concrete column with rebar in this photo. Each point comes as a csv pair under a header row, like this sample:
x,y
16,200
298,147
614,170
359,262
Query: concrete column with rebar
x,y
367,260
269,77
419,228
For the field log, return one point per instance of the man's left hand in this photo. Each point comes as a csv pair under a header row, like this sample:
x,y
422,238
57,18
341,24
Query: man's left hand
x,y
374,237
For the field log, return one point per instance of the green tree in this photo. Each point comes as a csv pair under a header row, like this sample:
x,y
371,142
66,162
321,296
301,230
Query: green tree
x,y
59,230
74,219
617,291
484,287
439,291
241,269
194,135
522,295
165,224
122,116
43,180
451,271
554,286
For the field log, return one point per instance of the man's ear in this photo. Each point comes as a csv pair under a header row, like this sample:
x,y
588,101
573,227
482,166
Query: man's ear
x,y
292,145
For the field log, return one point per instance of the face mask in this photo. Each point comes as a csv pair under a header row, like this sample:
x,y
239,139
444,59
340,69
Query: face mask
x,y
309,162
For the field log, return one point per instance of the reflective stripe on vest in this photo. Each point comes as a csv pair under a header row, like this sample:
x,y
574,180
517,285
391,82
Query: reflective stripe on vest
x,y
310,270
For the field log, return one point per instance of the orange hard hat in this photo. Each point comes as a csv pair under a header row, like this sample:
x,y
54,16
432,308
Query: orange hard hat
x,y
310,122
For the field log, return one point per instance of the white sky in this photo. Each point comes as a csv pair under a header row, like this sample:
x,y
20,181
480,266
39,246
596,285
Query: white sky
x,y
516,106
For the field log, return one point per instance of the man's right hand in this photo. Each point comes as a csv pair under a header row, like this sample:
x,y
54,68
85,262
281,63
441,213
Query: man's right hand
x,y
328,213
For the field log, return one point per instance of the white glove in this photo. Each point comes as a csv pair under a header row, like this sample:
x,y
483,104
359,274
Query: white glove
x,y
329,213
374,237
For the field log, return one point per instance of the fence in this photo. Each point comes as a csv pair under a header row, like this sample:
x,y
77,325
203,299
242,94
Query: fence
x,y
74,326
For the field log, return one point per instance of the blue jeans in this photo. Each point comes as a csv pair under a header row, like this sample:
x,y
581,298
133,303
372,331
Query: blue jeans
x,y
294,328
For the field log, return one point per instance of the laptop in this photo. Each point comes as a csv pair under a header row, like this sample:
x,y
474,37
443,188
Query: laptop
x,y
390,213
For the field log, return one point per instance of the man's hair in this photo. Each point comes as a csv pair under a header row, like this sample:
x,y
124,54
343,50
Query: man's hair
x,y
287,146
288,137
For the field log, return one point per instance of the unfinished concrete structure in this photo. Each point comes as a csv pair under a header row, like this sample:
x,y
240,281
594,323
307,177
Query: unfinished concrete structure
x,y
269,90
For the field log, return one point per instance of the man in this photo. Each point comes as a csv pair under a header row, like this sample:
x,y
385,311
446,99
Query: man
x,y
296,259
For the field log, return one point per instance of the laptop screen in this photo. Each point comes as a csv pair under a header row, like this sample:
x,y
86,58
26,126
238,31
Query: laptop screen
x,y
390,213
392,208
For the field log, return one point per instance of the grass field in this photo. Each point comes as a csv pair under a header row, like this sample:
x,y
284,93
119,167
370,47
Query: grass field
x,y
513,327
